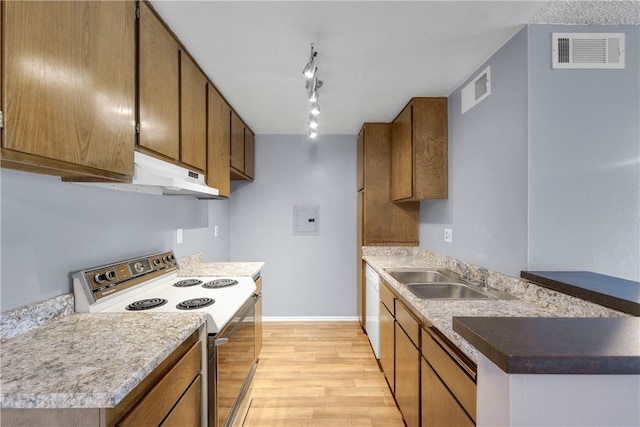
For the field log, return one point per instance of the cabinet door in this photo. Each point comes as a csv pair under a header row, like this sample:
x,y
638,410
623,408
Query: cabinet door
x,y
385,223
187,412
237,143
219,141
69,84
360,167
407,378
249,152
439,407
193,147
387,345
159,86
402,156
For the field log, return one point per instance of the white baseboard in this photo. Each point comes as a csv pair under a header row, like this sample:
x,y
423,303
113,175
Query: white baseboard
x,y
310,318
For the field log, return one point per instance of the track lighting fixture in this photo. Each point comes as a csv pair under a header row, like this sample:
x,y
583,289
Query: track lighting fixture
x,y
313,121
312,84
310,69
315,108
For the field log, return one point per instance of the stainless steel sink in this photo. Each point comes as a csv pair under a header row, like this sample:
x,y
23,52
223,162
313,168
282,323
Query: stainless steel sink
x,y
445,291
421,275
440,283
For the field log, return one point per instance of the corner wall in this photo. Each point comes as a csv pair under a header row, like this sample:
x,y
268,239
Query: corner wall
x,y
584,160
487,204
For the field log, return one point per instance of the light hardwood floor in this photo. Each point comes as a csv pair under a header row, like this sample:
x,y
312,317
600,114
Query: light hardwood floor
x,y
319,374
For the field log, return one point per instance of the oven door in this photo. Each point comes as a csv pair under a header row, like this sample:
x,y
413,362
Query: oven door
x,y
231,364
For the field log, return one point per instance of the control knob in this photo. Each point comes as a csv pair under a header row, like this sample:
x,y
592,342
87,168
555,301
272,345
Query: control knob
x,y
104,277
138,267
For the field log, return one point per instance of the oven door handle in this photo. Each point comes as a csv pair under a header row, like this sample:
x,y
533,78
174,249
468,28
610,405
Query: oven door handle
x,y
247,308
220,341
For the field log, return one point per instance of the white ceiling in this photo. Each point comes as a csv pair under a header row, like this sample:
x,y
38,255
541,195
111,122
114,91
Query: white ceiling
x,y
373,56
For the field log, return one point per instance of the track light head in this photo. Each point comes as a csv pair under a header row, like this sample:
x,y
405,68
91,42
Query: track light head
x,y
313,121
315,108
310,69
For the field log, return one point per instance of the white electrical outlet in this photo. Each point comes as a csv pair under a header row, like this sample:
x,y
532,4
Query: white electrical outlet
x,y
179,235
448,235
215,231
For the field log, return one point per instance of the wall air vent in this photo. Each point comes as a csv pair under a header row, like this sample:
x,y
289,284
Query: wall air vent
x,y
587,50
476,90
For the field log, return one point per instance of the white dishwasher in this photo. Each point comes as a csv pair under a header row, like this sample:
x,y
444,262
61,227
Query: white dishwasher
x,y
372,324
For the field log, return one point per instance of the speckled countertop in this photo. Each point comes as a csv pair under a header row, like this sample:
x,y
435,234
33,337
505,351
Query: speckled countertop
x,y
88,360
532,301
193,266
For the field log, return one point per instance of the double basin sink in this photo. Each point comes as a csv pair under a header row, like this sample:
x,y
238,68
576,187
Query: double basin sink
x,y
439,283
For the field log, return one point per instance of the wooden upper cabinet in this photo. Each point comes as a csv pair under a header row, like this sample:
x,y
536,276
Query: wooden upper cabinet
x,y
419,153
218,144
242,149
237,142
69,88
159,86
383,221
193,147
249,152
360,166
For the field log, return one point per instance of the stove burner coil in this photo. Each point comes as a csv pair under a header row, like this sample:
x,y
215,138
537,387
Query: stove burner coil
x,y
220,283
187,283
146,304
195,303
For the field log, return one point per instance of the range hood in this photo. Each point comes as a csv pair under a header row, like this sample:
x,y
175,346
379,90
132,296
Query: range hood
x,y
155,176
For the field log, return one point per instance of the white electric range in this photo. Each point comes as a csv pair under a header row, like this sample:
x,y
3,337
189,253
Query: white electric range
x,y
151,284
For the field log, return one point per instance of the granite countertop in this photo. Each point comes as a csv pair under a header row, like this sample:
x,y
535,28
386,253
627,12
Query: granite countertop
x,y
88,360
193,266
439,313
556,346
533,301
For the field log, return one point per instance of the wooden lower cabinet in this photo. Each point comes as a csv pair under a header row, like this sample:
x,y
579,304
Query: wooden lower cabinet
x,y
407,372
159,402
439,407
433,382
187,411
387,344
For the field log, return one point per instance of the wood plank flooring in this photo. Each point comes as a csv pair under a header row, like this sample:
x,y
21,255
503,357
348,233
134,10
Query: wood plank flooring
x,y
319,374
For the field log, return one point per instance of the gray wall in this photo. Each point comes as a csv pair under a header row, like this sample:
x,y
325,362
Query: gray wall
x,y
487,204
584,168
50,229
305,276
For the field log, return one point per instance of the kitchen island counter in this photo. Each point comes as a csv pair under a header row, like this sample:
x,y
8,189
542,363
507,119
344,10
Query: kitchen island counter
x,y
88,360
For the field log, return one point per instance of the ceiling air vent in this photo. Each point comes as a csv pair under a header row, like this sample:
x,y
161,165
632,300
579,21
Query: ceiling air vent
x,y
588,50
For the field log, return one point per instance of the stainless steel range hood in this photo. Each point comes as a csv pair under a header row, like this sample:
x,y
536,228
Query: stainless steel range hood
x,y
155,176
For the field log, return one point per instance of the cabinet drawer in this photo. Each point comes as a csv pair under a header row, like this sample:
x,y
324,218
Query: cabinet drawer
x,y
439,407
461,385
408,323
387,298
153,408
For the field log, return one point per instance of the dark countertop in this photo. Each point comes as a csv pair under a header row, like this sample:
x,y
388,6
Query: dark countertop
x,y
612,292
526,345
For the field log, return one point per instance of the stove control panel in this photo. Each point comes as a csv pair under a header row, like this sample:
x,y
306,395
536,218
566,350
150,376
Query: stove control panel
x,y
108,279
